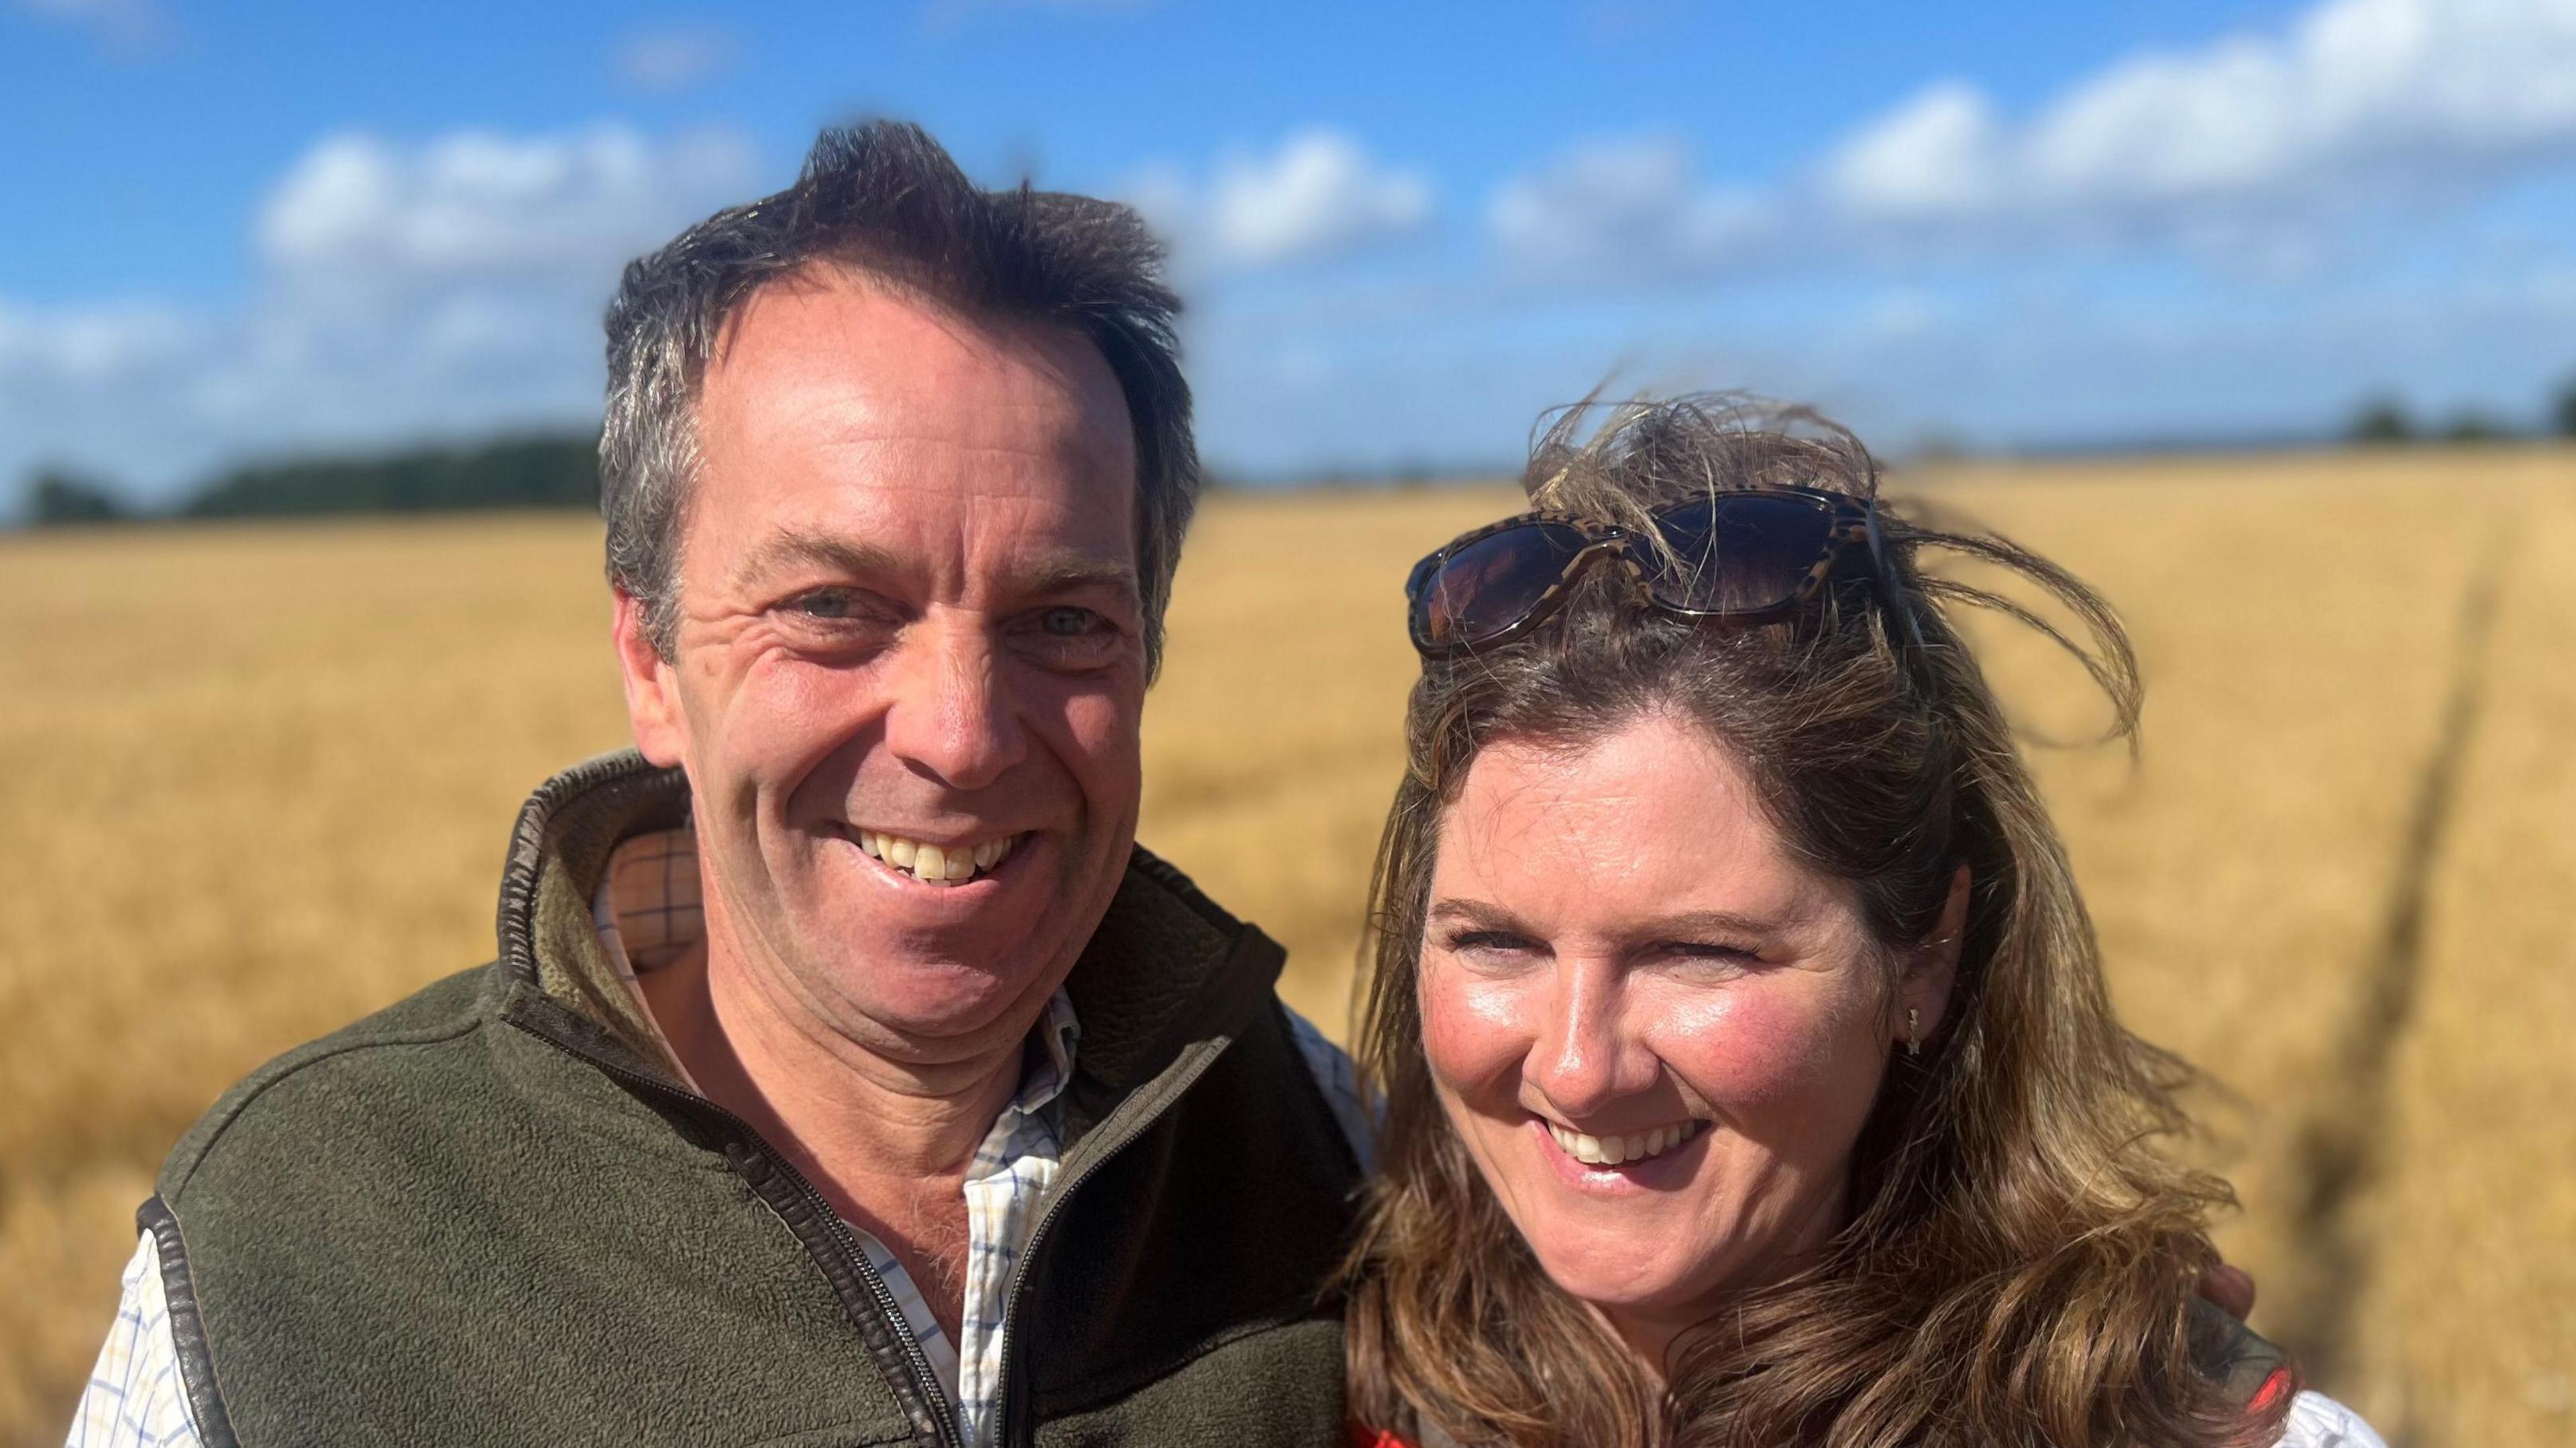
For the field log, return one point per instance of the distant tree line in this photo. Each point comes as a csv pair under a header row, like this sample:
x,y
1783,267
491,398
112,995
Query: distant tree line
x,y
2386,420
562,471
60,496
528,472
557,471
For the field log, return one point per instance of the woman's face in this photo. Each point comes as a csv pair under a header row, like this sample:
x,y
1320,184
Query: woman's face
x,y
1656,1031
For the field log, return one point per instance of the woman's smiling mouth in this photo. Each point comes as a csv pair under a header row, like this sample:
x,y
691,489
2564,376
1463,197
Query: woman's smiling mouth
x,y
1610,1151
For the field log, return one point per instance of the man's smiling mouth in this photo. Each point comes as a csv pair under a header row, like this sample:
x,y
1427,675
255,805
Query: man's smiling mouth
x,y
931,864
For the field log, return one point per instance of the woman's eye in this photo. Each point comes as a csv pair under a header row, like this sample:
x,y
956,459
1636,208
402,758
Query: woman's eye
x,y
1493,954
1707,955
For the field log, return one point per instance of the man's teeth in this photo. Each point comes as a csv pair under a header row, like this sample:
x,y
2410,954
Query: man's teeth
x,y
936,864
1615,1150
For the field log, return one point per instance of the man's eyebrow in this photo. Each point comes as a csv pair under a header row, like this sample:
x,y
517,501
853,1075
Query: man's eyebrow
x,y
847,558
797,548
1074,572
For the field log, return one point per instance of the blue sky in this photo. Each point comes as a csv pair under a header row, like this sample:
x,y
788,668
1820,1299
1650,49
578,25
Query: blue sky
x,y
252,229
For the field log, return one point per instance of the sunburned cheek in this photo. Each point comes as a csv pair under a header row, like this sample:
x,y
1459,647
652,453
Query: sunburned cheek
x,y
1472,1031
1756,1050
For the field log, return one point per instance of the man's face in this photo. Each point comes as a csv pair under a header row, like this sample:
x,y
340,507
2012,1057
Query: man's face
x,y
910,637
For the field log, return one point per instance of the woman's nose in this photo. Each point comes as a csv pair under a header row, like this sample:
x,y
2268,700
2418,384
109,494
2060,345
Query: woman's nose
x,y
953,717
1587,1053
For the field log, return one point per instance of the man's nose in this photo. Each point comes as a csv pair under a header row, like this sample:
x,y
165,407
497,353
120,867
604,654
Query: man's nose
x,y
953,717
1587,1052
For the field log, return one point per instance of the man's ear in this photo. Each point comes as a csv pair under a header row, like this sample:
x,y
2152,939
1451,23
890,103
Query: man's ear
x,y
1933,967
652,687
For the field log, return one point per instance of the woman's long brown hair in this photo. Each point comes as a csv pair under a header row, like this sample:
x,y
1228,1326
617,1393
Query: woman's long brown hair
x,y
2019,1260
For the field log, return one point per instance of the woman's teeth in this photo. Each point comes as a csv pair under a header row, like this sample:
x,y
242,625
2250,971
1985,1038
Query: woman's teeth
x,y
936,864
1615,1150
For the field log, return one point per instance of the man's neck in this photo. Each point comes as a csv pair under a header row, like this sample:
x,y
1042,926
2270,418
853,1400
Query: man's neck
x,y
887,1142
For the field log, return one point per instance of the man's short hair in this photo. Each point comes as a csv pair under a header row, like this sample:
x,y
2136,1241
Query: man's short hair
x,y
886,200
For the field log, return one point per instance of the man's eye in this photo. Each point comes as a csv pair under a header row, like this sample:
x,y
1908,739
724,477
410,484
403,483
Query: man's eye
x,y
1069,622
825,603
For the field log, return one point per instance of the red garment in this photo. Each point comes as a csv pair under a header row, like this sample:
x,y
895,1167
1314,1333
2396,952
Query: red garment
x,y
2273,1387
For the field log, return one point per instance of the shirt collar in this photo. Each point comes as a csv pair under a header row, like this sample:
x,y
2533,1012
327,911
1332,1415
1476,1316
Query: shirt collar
x,y
1050,1067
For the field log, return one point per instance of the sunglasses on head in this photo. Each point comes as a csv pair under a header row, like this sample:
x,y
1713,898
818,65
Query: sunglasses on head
x,y
1750,555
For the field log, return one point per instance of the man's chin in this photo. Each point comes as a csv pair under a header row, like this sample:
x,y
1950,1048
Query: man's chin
x,y
936,1000
943,982
951,960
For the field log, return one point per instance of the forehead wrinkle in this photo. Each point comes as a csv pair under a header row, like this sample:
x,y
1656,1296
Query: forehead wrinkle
x,y
793,546
1545,802
1079,446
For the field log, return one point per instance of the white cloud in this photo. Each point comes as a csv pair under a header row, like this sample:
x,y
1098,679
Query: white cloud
x,y
2356,102
405,289
673,58
1932,155
90,346
1320,194
359,209
2247,149
1630,208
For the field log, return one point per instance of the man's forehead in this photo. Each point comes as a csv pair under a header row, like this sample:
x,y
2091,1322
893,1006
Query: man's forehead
x,y
902,387
825,318
867,431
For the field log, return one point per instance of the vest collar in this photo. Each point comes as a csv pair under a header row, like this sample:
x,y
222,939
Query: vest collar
x,y
1167,979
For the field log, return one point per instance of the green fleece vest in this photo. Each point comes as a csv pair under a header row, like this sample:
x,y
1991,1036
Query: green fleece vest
x,y
487,1215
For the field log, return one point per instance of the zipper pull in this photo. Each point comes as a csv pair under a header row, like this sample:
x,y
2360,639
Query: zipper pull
x,y
746,1163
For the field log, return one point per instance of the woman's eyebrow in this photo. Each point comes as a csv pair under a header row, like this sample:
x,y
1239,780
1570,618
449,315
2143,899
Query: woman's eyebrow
x,y
1710,922
1475,913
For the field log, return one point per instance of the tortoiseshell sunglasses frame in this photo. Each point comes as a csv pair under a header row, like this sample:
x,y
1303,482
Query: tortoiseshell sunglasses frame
x,y
1856,521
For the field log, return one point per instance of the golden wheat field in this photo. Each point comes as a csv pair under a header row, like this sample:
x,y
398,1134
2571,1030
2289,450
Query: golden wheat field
x,y
259,781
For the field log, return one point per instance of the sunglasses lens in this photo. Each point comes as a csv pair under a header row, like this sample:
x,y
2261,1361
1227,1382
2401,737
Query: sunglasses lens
x,y
1489,585
1737,553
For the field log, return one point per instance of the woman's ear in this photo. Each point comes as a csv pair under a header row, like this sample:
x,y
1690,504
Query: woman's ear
x,y
1933,967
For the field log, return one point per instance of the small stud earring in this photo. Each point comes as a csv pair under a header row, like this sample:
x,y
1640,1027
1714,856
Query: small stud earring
x,y
1913,1031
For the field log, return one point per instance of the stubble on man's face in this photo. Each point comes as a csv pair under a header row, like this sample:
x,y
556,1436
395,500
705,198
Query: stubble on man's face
x,y
909,612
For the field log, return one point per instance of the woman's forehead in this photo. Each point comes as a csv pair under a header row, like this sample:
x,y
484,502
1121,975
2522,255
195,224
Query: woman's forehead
x,y
1653,817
